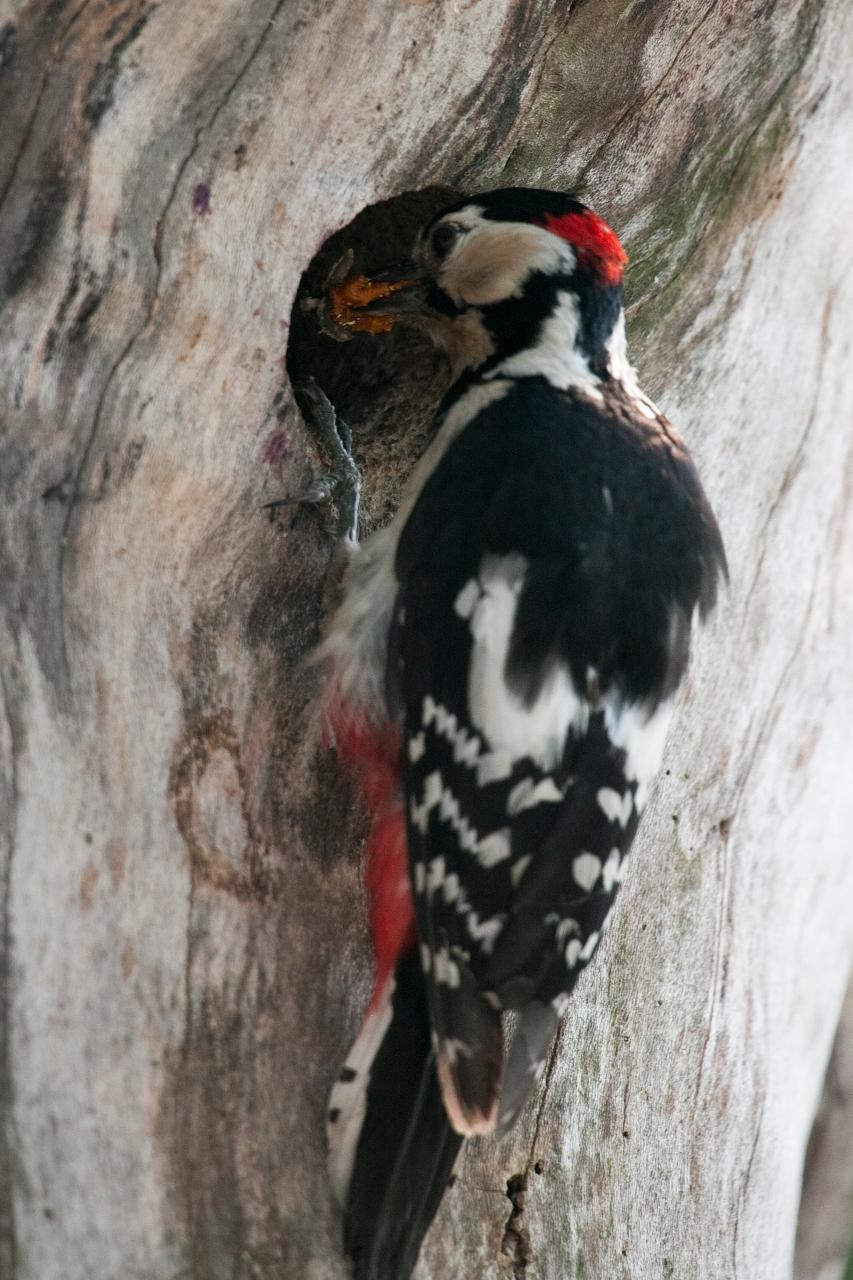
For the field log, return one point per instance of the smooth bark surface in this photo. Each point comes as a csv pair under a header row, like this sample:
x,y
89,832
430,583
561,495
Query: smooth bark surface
x,y
183,953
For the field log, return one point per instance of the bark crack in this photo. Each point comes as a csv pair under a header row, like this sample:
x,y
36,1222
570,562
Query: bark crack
x,y
516,1242
746,1177
516,1237
74,497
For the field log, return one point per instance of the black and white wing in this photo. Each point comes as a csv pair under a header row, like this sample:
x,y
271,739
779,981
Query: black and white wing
x,y
548,575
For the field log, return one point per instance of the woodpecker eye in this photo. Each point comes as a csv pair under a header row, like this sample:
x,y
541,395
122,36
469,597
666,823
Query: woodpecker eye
x,y
443,238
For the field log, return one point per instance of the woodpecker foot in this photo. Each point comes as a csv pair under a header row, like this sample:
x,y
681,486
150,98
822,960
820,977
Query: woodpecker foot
x,y
341,484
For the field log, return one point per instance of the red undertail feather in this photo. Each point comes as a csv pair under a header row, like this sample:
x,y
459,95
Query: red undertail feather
x,y
371,754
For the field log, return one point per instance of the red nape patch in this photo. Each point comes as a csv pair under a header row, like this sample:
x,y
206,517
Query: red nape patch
x,y
596,245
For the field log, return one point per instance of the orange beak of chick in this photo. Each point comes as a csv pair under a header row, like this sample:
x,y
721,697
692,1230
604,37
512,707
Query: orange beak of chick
x,y
347,303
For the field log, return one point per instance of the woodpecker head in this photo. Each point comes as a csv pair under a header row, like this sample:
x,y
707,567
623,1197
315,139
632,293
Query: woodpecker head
x,y
522,281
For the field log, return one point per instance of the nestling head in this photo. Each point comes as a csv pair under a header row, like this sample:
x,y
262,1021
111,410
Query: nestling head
x,y
517,271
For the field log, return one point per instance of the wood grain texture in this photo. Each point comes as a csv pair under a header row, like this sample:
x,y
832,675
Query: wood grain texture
x,y
184,955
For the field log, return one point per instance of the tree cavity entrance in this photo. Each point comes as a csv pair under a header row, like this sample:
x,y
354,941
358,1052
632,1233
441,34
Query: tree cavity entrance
x,y
384,386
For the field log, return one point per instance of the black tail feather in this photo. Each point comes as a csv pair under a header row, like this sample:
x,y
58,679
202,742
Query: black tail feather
x,y
406,1148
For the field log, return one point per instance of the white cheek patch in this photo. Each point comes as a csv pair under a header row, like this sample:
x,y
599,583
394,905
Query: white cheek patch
x,y
496,259
510,727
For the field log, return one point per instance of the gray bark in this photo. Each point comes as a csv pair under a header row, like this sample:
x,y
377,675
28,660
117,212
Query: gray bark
x,y
825,1228
184,956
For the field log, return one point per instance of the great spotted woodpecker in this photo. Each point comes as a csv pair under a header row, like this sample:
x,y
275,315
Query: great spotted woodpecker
x,y
502,670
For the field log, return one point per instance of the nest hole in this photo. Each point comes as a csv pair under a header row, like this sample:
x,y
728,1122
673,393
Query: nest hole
x,y
384,386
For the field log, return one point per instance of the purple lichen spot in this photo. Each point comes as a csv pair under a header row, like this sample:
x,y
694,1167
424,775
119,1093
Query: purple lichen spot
x,y
284,324
201,199
256,313
275,448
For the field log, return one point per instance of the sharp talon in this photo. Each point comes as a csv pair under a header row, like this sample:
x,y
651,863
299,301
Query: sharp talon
x,y
321,492
343,481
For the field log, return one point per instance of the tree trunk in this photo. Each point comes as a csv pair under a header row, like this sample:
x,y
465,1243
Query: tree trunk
x,y
825,1228
184,954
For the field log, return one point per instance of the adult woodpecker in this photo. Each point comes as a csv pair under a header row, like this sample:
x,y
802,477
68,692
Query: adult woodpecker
x,y
502,669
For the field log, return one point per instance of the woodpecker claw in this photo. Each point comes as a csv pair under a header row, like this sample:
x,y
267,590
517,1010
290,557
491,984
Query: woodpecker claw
x,y
342,483
320,492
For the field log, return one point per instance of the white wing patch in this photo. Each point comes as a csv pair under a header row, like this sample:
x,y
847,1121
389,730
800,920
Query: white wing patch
x,y
539,731
642,736
589,946
491,766
494,848
495,766
419,813
611,874
527,795
446,969
467,598
518,869
485,931
615,808
567,928
489,850
586,869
